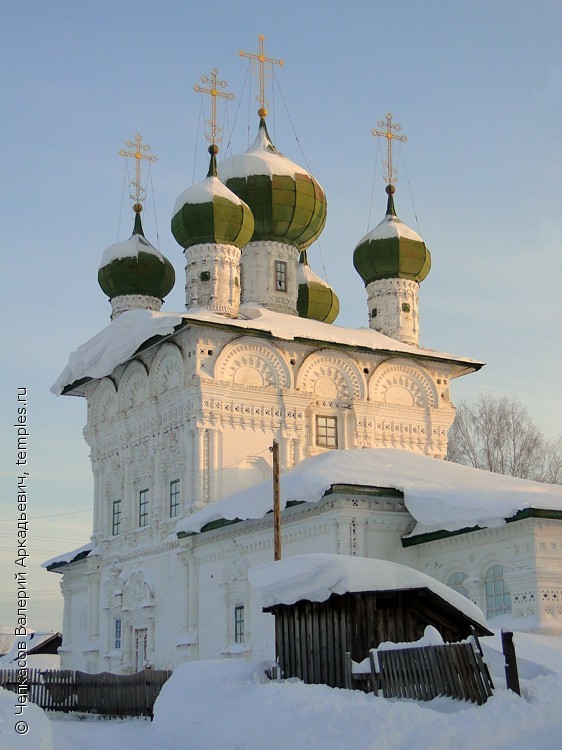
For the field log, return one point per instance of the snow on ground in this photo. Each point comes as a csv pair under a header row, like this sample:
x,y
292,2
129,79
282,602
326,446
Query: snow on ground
x,y
439,494
38,736
229,705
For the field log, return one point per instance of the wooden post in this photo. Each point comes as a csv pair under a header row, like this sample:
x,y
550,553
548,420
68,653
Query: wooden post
x,y
511,671
276,504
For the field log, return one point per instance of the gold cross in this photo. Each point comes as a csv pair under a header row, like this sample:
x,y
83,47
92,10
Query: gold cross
x,y
391,134
214,92
140,193
261,60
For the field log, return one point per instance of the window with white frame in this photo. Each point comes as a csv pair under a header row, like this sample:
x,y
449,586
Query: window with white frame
x,y
239,631
143,508
117,634
116,517
174,498
498,597
456,581
280,276
327,431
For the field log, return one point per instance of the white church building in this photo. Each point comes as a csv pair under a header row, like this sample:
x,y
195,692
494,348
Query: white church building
x,y
182,409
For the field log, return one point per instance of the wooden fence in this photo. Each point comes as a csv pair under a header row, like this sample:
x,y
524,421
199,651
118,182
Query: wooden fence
x,y
103,693
423,673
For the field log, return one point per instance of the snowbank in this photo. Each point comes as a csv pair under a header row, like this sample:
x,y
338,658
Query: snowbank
x,y
37,737
316,577
439,494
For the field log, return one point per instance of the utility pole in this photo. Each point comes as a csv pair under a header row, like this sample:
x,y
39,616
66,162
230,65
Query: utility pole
x,y
276,503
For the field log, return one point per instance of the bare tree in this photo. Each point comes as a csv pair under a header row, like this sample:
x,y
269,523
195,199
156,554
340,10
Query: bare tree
x,y
497,434
6,641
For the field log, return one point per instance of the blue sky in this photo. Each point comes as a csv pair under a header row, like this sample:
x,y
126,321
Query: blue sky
x,y
477,88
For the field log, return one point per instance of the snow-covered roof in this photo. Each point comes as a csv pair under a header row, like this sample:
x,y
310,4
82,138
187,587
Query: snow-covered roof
x,y
68,557
129,249
33,640
390,227
203,192
315,577
440,495
261,158
116,343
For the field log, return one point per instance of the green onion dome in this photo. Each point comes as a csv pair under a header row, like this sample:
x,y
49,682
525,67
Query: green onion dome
x,y
209,212
135,266
289,206
391,250
316,299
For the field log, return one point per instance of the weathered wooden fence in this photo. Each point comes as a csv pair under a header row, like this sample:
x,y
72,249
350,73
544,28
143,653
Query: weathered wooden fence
x,y
423,673
103,693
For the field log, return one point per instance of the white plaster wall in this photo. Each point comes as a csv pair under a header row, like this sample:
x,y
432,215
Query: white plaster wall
x,y
396,303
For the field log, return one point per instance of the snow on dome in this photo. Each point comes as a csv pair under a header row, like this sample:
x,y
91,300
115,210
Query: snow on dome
x,y
114,344
315,577
305,275
390,227
204,192
261,158
440,495
129,249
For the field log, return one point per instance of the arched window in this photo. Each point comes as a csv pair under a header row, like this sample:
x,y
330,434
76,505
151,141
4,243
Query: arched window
x,y
498,598
455,581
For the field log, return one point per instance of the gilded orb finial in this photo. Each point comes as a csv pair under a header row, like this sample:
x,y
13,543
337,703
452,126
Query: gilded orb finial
x,y
261,60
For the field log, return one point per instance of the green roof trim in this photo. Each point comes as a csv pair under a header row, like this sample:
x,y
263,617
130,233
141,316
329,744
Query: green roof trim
x,y
434,536
316,300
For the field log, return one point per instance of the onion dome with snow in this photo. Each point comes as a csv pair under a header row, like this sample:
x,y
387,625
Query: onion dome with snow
x,y
288,204
391,250
316,299
208,212
135,267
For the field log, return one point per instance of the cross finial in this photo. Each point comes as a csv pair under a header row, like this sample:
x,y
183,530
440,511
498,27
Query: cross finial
x,y
391,134
261,60
139,153
214,92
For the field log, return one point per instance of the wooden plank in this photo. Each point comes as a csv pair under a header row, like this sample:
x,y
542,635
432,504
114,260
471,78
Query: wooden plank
x,y
478,675
348,670
374,673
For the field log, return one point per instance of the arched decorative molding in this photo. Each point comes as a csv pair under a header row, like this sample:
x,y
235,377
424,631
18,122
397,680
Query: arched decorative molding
x,y
255,363
166,371
137,592
399,382
133,388
235,571
331,375
104,402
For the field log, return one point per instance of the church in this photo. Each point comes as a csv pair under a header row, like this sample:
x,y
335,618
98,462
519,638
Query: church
x,y
183,408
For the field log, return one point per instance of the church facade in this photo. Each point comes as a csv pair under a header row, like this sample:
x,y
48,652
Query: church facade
x,y
183,408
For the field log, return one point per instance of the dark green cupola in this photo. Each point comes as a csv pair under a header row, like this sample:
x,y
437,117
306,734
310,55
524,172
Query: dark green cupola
x,y
288,204
316,299
134,274
391,250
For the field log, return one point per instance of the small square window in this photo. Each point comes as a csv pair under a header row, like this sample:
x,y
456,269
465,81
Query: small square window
x,y
117,634
205,276
405,307
174,498
116,517
239,617
143,508
280,276
374,312
327,431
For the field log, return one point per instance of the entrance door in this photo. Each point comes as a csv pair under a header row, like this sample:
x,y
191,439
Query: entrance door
x,y
141,639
